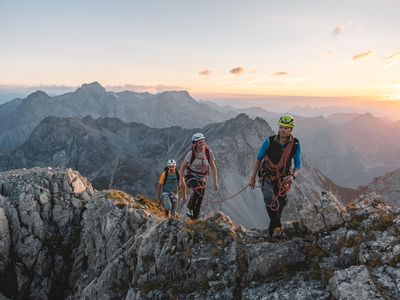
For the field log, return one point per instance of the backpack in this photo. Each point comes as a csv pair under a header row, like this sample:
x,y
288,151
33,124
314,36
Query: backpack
x,y
167,174
194,157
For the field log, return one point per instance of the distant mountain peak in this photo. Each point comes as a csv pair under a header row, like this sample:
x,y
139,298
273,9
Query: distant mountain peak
x,y
38,95
92,88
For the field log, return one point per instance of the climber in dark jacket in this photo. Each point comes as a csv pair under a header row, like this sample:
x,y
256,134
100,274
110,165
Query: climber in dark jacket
x,y
275,171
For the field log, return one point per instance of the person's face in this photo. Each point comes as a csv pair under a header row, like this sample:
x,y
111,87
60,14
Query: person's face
x,y
201,144
284,131
171,168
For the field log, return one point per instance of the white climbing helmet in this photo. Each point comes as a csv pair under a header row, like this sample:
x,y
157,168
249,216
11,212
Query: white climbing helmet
x,y
197,137
171,163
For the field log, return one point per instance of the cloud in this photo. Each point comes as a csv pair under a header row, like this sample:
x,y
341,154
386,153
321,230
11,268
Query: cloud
x,y
237,71
341,28
144,88
205,72
362,55
281,73
395,57
338,30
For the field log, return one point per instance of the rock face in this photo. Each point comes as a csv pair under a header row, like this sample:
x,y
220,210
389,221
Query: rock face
x,y
62,239
40,221
387,186
131,157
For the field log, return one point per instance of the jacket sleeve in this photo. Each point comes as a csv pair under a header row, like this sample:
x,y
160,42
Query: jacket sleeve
x,y
162,178
263,149
297,158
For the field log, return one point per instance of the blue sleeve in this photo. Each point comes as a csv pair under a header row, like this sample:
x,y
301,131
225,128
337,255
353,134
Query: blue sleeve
x,y
263,149
297,158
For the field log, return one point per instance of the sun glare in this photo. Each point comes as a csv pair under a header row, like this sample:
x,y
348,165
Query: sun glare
x,y
393,93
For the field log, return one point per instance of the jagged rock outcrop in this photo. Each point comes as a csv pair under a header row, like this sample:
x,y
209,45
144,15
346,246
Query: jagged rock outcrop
x,y
43,211
62,239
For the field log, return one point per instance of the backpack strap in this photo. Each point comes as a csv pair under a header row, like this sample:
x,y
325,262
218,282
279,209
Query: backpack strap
x,y
167,174
193,157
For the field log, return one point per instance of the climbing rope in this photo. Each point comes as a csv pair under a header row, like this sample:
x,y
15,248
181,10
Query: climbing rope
x,y
219,201
283,190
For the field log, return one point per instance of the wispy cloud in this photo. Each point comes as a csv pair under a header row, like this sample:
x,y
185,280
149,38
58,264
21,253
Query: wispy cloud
x,y
362,55
281,73
341,28
205,72
237,71
144,88
395,57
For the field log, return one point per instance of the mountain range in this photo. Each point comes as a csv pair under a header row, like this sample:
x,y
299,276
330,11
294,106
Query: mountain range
x,y
349,148
19,117
352,149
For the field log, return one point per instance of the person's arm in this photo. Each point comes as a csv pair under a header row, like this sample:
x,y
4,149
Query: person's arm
x,y
160,184
257,163
297,162
214,173
256,166
158,193
181,172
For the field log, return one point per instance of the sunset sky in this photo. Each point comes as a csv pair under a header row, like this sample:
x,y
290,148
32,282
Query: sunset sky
x,y
213,49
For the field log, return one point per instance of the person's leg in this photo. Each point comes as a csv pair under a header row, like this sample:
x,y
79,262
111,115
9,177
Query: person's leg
x,y
166,201
268,194
282,203
193,183
198,202
165,198
174,203
272,220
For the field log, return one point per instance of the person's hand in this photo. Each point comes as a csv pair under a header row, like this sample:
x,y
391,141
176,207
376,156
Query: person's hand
x,y
288,179
216,186
252,182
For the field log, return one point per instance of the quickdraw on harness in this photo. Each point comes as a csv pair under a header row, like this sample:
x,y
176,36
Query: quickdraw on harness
x,y
275,173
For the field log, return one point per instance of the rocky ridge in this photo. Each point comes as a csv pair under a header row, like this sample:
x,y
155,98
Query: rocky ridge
x,y
60,238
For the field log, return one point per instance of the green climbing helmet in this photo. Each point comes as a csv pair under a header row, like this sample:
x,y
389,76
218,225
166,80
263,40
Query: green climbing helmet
x,y
286,121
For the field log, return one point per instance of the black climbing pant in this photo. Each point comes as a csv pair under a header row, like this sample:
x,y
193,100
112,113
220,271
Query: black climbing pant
x,y
198,187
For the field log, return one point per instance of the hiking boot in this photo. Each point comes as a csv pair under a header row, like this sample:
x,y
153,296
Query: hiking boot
x,y
189,213
278,231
